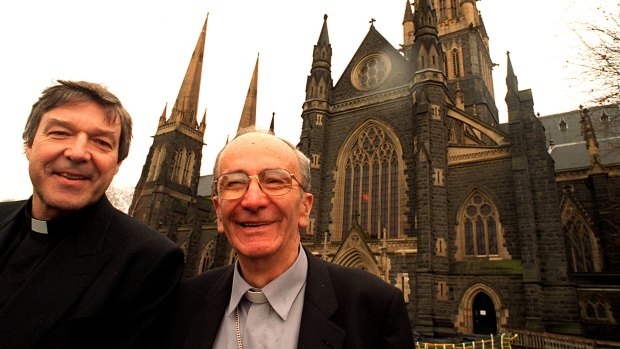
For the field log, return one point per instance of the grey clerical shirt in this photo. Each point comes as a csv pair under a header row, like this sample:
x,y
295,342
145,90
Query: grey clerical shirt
x,y
278,326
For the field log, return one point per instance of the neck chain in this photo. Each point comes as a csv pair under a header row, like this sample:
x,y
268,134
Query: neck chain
x,y
237,331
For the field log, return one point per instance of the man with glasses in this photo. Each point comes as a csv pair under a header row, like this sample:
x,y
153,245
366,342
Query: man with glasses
x,y
277,294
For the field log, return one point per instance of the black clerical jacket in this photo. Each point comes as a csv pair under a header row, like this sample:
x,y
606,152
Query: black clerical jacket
x,y
102,286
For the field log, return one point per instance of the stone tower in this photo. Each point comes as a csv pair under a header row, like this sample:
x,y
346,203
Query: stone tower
x,y
165,195
429,95
315,115
467,62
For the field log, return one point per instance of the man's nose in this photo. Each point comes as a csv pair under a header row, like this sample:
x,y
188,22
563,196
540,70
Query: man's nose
x,y
77,149
254,196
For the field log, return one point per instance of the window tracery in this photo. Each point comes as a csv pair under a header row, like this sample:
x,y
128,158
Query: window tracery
x,y
479,231
583,255
370,182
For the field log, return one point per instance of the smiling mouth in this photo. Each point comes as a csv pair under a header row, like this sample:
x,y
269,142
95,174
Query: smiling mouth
x,y
72,176
249,225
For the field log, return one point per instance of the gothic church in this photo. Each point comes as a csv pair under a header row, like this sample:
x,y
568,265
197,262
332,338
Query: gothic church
x,y
480,224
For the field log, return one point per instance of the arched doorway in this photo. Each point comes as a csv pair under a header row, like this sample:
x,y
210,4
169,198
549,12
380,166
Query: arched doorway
x,y
485,320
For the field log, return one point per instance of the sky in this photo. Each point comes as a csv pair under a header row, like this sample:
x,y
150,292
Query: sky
x,y
140,50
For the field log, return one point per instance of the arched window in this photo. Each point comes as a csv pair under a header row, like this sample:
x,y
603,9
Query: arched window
x,y
454,9
208,254
154,164
479,229
189,169
595,308
369,182
442,9
456,63
583,254
180,159
159,155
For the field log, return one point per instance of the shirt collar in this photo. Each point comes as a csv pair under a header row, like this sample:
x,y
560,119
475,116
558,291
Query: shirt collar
x,y
74,221
281,292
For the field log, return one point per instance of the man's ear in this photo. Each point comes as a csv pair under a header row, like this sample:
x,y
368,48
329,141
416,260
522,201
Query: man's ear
x,y
27,149
305,207
216,205
118,167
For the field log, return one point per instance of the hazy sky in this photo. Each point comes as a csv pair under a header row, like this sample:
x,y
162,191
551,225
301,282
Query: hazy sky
x,y
140,49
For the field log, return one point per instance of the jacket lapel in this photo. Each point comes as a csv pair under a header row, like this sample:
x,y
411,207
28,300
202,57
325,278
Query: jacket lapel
x,y
320,303
56,283
209,310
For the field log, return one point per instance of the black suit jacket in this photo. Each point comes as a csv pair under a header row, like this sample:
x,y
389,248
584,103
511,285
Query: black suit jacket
x,y
343,308
102,286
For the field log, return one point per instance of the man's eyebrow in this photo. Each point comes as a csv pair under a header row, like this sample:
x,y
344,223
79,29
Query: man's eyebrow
x,y
53,122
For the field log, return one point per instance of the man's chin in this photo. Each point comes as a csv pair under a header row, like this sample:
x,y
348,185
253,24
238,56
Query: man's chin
x,y
65,205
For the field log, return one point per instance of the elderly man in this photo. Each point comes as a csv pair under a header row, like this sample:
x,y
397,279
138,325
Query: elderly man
x,y
278,295
74,271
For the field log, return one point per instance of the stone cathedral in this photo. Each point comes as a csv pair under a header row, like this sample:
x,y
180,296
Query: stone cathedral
x,y
486,227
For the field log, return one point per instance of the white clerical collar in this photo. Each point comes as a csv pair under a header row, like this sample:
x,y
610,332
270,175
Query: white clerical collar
x,y
39,226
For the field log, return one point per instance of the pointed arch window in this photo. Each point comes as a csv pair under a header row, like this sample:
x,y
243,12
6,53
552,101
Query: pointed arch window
x,y
479,231
443,9
597,309
180,160
583,253
208,255
456,65
159,155
369,182
189,169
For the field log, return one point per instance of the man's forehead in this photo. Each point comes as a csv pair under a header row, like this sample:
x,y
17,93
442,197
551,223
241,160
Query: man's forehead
x,y
255,143
261,141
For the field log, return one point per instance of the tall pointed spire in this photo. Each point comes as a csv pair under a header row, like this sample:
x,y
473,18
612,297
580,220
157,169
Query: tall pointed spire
x,y
511,79
248,115
408,28
319,83
162,118
186,106
324,36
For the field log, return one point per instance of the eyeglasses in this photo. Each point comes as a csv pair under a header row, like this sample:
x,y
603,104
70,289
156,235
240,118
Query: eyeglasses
x,y
273,182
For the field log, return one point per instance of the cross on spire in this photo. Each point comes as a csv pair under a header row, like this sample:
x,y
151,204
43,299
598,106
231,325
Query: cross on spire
x,y
372,22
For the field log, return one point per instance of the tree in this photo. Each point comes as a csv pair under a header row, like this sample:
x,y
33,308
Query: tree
x,y
600,57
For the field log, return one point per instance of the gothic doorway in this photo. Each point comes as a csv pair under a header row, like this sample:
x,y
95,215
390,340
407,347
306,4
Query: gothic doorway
x,y
485,321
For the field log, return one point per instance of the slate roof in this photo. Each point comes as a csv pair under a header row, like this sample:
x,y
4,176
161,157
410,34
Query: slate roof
x,y
565,140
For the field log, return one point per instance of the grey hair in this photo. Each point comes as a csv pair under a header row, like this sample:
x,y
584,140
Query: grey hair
x,y
302,159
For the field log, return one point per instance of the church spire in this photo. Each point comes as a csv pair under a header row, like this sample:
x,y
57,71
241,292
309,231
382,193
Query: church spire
x,y
248,115
319,82
511,79
427,54
162,118
408,30
186,105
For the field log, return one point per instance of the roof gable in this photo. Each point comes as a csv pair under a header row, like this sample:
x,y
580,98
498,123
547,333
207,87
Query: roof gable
x,y
373,45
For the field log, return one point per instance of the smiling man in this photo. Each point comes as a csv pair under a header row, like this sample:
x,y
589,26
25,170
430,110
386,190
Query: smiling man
x,y
74,271
278,295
